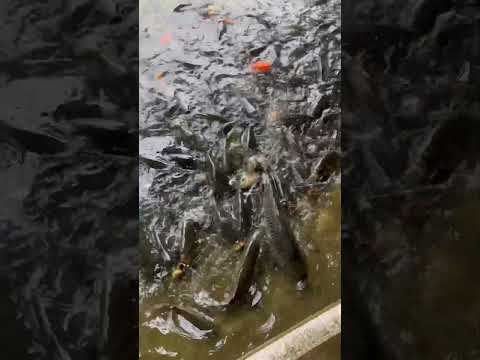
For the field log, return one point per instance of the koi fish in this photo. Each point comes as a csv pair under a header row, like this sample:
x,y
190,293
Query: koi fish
x,y
228,21
166,39
261,67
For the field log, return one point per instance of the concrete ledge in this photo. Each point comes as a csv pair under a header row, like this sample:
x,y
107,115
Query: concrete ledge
x,y
302,338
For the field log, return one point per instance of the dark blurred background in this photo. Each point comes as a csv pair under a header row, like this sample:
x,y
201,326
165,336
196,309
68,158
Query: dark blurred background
x,y
68,165
410,179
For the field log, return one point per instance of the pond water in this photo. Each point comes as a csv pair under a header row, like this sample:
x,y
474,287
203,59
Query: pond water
x,y
197,93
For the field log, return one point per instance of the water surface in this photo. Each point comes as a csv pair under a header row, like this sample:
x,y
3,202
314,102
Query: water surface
x,y
192,64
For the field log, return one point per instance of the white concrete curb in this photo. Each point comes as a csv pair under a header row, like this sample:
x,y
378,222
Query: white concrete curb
x,y
302,338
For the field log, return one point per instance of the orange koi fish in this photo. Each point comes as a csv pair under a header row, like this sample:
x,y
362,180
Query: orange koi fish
x,y
261,67
166,39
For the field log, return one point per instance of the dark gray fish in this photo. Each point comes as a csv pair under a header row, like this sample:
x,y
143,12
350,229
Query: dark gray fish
x,y
162,246
187,241
227,155
154,163
277,231
225,224
106,8
247,270
45,329
453,140
109,135
379,179
282,242
111,141
75,12
218,178
296,121
154,130
223,30
104,126
228,127
199,319
180,8
150,151
326,166
257,51
183,160
111,67
245,214
213,117
77,109
32,141
248,139
104,307
260,20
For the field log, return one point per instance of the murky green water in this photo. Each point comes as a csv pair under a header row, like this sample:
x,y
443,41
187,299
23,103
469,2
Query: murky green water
x,y
240,329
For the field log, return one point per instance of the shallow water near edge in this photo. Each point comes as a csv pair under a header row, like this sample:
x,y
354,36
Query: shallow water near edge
x,y
282,306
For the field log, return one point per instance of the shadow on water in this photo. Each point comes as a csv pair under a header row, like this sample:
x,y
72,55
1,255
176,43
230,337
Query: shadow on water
x,y
210,124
